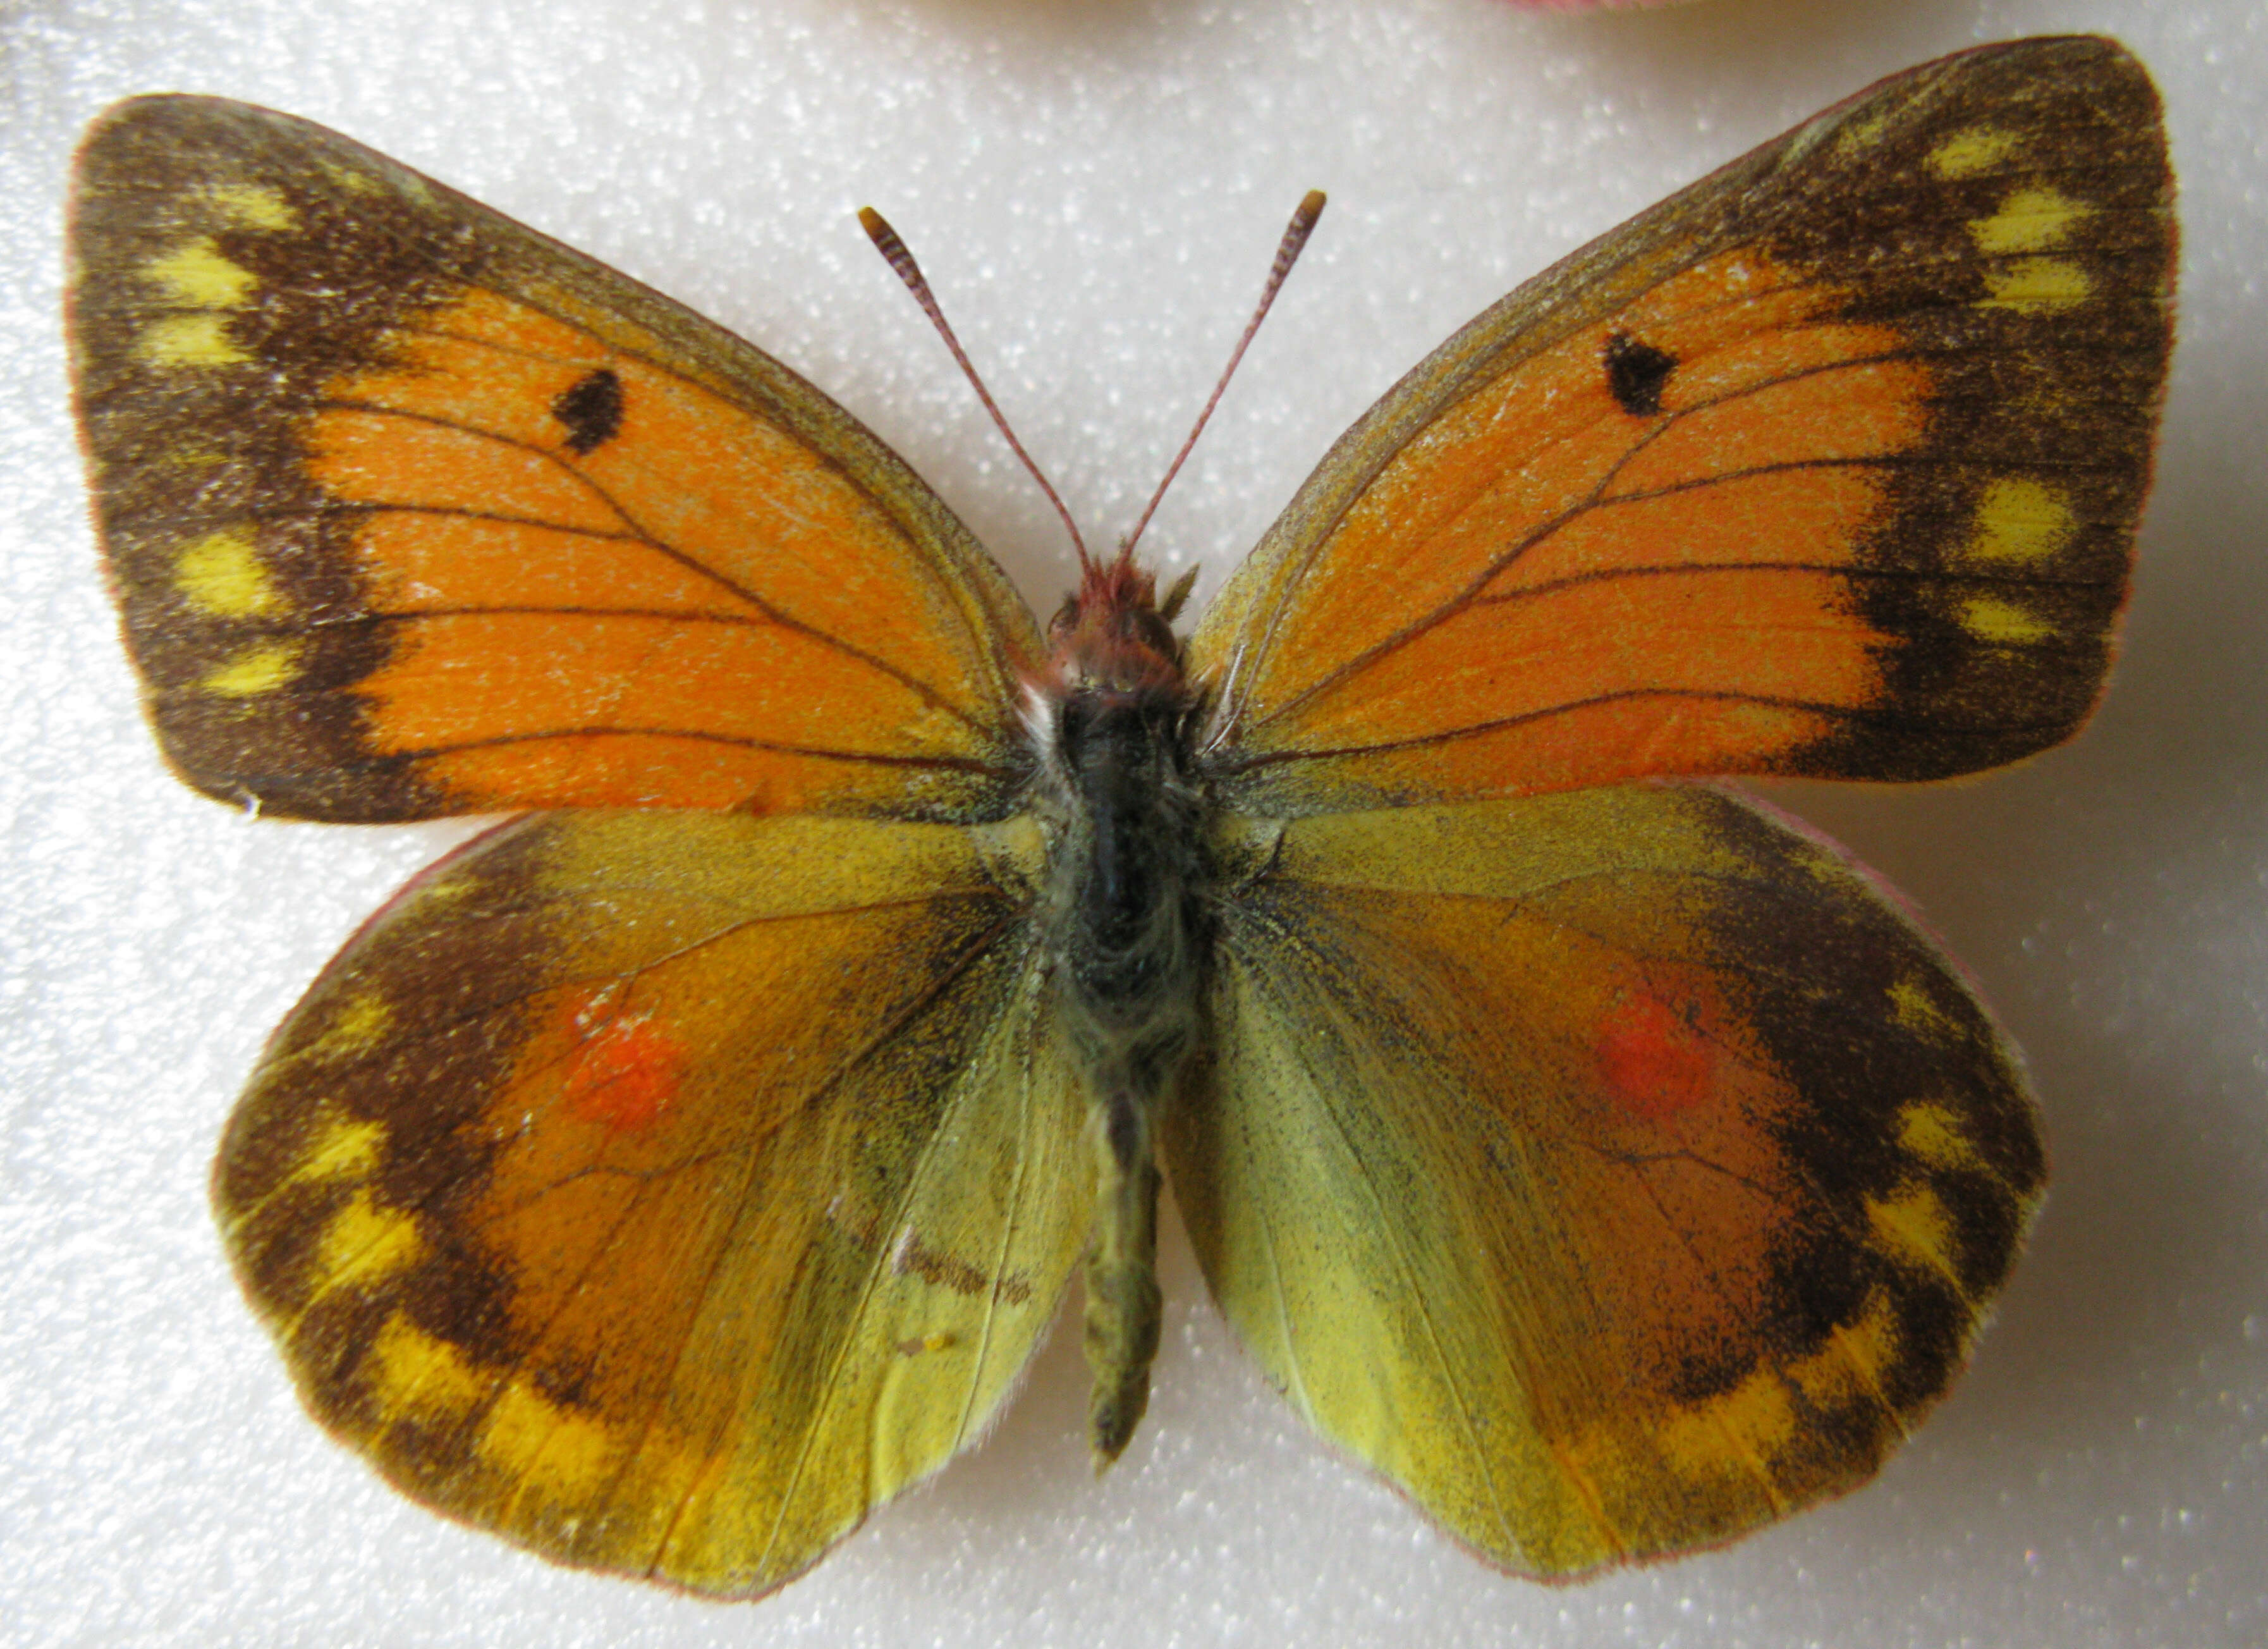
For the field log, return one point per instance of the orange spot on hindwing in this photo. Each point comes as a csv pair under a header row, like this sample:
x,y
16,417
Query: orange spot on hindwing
x,y
1654,1064
623,1069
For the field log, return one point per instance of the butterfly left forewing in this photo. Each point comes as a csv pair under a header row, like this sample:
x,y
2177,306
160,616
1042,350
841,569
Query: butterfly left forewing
x,y
1614,1171
411,511
1828,465
664,1191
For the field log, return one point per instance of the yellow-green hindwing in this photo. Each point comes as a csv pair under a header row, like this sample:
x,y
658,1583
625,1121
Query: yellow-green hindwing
x,y
1614,1173
665,1190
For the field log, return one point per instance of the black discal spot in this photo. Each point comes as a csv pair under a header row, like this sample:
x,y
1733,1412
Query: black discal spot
x,y
1636,372
592,410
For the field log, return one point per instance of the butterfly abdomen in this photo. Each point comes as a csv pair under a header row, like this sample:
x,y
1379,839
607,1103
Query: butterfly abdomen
x,y
1125,918
1125,912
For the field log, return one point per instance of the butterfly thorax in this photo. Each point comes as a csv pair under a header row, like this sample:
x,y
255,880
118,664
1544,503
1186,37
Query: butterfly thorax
x,y
1123,917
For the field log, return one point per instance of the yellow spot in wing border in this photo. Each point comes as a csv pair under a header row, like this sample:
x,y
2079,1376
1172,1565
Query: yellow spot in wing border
x,y
358,1024
1932,1134
2037,286
1852,137
347,1147
221,573
2029,220
1752,1423
554,1454
1966,153
1914,1008
365,1242
256,670
200,339
198,277
1915,1224
193,458
2003,623
2019,518
410,1371
347,178
352,1029
1869,1346
1846,1374
253,206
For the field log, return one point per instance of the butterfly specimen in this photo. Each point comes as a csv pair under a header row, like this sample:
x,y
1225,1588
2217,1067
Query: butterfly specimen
x,y
681,1169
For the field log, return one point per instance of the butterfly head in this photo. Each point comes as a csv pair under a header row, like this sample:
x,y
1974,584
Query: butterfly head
x,y
1113,635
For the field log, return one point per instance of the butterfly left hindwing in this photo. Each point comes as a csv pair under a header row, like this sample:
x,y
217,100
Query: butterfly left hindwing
x,y
666,1190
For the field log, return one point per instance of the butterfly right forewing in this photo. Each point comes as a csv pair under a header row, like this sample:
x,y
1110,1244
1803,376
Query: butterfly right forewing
x,y
1828,465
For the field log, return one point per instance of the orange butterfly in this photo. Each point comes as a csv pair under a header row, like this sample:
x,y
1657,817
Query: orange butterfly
x,y
683,1169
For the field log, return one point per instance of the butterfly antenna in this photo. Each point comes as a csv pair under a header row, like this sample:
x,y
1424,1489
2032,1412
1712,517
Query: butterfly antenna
x,y
1287,253
894,250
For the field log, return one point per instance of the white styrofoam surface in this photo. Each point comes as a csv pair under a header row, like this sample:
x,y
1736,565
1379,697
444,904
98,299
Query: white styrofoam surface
x,y
1095,187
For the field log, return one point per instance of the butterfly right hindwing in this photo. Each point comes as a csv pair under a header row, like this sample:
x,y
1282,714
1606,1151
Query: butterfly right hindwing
x,y
1614,1171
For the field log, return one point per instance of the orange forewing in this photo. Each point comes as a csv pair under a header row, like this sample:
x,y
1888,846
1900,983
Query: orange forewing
x,y
413,511
1828,465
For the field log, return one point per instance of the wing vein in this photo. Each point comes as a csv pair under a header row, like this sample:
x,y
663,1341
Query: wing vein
x,y
929,694
1888,724
981,643
924,1158
1586,1492
1596,498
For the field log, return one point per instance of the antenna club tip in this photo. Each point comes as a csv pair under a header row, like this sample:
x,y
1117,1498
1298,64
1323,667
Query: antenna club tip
x,y
1311,205
874,223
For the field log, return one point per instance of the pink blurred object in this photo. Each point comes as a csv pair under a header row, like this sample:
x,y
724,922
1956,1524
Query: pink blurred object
x,y
1590,5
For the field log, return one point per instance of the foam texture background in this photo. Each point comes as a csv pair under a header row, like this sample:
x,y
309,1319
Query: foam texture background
x,y
1096,185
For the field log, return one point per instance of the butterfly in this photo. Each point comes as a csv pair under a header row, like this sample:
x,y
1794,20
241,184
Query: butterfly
x,y
687,1167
